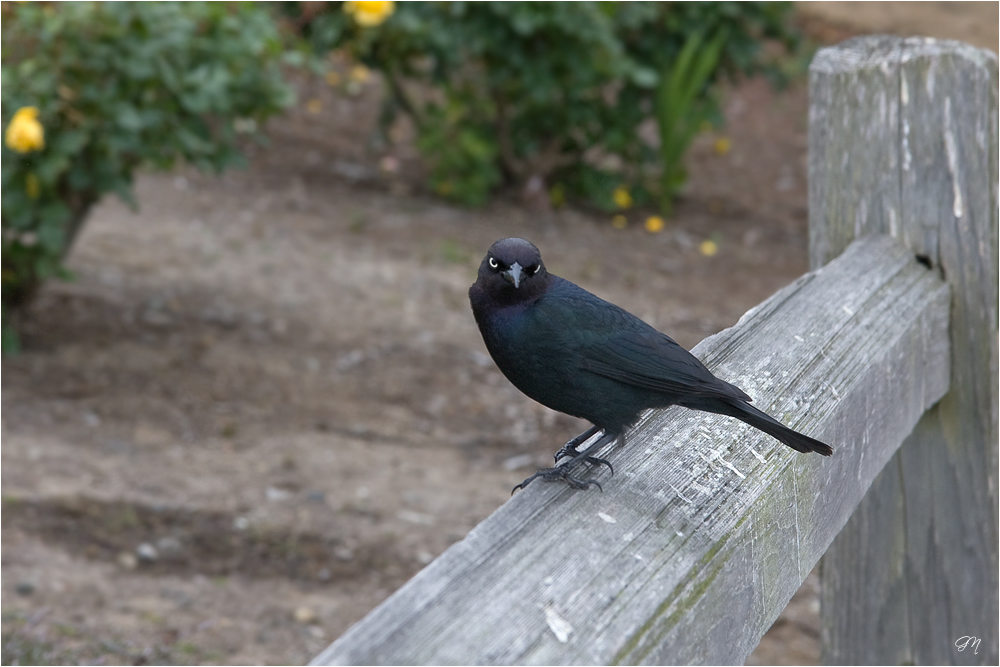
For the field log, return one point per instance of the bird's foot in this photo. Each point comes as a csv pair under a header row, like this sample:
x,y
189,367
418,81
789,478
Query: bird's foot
x,y
564,452
562,472
570,448
556,474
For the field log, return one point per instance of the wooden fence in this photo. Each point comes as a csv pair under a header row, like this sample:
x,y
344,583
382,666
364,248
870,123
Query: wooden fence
x,y
903,141
887,350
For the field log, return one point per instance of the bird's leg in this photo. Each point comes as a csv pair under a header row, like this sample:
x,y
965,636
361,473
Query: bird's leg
x,y
569,449
562,472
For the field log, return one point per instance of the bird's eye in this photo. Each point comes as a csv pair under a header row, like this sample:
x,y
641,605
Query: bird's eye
x,y
493,264
534,269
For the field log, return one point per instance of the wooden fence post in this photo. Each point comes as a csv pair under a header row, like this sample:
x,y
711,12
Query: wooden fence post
x,y
903,141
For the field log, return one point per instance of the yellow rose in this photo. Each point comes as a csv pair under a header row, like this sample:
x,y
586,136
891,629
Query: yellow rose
x,y
369,13
25,133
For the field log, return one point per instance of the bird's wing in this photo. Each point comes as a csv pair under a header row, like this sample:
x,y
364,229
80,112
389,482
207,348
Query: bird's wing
x,y
654,361
615,344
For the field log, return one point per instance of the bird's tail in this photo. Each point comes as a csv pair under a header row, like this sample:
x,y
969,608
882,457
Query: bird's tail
x,y
768,424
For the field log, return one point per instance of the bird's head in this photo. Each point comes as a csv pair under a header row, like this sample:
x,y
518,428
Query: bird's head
x,y
513,270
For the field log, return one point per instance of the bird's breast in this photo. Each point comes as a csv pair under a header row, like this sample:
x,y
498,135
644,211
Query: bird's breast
x,y
537,360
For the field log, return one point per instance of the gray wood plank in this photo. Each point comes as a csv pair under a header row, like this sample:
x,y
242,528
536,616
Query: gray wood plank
x,y
876,552
708,528
938,149
853,131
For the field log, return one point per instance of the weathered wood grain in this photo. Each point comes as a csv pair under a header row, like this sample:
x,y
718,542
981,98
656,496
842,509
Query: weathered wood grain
x,y
853,128
903,140
709,526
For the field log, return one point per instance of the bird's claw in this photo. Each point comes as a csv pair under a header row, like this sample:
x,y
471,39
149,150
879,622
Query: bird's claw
x,y
560,473
596,461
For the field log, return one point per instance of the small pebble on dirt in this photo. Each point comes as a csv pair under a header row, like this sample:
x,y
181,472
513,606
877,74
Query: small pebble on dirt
x,y
146,552
275,494
304,615
25,588
169,544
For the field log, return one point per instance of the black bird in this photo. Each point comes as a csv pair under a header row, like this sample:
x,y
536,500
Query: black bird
x,y
576,353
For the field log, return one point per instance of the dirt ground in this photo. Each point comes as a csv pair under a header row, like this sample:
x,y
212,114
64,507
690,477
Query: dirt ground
x,y
263,404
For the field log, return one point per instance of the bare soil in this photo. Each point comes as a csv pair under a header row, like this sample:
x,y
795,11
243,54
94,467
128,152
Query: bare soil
x,y
262,404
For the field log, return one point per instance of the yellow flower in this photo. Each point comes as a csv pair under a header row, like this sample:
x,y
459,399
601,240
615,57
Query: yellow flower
x,y
369,14
708,248
622,197
360,73
31,185
25,133
314,106
654,224
722,145
619,221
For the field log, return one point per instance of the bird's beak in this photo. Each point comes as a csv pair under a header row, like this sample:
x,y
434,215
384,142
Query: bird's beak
x,y
513,274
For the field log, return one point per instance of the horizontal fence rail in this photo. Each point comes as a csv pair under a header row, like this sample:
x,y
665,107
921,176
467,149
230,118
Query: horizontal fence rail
x,y
708,526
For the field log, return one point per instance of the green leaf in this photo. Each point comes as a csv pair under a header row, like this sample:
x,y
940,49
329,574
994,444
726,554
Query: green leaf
x,y
68,142
52,236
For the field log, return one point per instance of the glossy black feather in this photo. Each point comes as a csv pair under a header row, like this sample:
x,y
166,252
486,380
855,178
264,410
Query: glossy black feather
x,y
578,354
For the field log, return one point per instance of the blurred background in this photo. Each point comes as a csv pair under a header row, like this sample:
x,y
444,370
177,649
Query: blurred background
x,y
244,398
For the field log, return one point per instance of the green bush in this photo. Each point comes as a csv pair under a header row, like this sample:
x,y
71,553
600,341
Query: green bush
x,y
509,91
118,86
